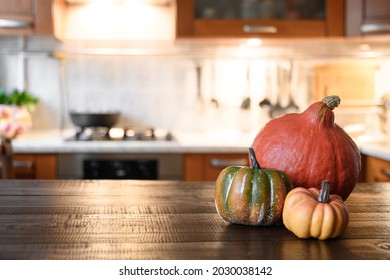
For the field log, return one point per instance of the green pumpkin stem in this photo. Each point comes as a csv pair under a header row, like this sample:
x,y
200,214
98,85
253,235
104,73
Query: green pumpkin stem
x,y
324,193
255,163
331,101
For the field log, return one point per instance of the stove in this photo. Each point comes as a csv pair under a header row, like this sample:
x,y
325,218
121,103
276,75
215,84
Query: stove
x,y
154,166
121,134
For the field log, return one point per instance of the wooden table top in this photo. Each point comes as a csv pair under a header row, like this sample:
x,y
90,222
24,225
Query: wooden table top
x,y
162,220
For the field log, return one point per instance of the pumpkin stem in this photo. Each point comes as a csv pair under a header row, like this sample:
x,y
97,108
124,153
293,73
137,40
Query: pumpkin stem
x,y
255,163
331,101
324,193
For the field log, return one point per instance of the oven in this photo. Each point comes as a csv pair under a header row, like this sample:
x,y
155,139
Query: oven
x,y
120,166
141,166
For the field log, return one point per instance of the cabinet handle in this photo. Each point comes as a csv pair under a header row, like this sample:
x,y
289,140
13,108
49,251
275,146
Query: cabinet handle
x,y
248,28
374,27
22,164
222,163
386,172
19,164
11,23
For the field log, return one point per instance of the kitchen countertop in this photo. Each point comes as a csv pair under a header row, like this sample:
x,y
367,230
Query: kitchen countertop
x,y
52,141
129,219
380,149
226,141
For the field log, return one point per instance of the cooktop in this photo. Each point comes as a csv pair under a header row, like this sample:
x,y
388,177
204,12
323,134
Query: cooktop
x,y
121,134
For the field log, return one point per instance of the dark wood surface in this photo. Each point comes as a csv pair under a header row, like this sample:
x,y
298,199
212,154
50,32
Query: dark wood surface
x,y
66,219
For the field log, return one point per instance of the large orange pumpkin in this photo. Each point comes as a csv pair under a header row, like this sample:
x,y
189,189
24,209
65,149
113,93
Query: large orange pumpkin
x,y
310,146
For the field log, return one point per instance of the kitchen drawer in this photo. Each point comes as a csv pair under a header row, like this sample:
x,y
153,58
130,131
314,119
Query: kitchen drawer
x,y
377,170
207,167
35,166
24,166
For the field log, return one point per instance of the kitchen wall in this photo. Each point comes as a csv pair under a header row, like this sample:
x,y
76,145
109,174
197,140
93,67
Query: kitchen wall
x,y
140,70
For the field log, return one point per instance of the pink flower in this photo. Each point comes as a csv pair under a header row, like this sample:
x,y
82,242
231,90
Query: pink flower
x,y
5,112
13,121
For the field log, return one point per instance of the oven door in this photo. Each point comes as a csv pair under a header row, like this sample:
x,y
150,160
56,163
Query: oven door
x,y
145,169
121,166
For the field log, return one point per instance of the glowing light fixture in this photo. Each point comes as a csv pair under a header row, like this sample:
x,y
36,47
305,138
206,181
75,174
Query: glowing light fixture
x,y
119,2
254,42
366,51
119,20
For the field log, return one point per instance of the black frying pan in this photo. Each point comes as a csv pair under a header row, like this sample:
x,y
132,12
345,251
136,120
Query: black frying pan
x,y
94,119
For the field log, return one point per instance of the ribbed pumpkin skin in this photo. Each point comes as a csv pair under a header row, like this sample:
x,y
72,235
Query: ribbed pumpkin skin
x,y
248,196
308,147
306,217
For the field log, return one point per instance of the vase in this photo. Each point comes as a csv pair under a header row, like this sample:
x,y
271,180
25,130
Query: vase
x,y
7,158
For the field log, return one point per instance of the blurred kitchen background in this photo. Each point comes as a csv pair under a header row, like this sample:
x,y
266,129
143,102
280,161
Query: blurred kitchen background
x,y
133,56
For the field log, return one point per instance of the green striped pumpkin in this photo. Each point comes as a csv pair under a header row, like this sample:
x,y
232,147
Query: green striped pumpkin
x,y
251,195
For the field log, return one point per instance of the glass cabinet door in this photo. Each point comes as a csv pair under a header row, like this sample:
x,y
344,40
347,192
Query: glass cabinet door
x,y
272,18
260,9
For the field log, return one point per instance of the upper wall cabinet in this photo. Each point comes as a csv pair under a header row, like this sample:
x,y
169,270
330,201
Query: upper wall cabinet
x,y
367,17
31,17
263,18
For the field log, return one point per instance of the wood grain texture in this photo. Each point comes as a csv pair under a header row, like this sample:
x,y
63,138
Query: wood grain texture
x,y
124,219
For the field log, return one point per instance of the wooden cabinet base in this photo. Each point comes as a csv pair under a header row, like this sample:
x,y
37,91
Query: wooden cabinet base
x,y
206,167
35,166
377,170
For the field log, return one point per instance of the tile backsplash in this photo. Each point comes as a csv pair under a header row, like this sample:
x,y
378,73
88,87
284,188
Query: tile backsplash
x,y
156,84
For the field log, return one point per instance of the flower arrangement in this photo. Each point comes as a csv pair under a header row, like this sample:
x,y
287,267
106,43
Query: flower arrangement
x,y
15,108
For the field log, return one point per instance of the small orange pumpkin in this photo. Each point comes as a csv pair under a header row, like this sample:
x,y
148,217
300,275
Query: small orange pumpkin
x,y
314,213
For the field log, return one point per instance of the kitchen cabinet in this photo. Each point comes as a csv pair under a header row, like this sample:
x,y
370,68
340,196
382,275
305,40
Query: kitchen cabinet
x,y
31,17
265,18
377,170
367,17
35,166
206,167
